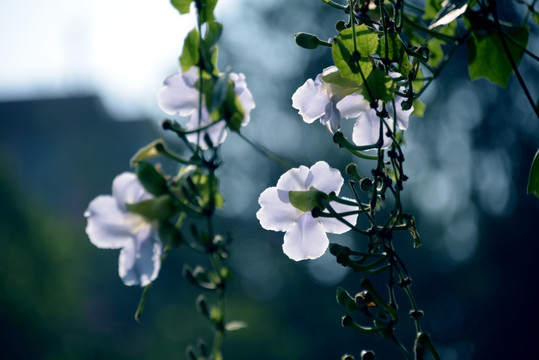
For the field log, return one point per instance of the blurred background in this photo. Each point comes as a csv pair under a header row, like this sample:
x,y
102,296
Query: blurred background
x,y
77,99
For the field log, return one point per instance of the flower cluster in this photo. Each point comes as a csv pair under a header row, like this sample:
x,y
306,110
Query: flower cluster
x,y
112,226
180,96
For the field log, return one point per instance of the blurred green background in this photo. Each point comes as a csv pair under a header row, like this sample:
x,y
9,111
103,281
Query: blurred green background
x,y
467,159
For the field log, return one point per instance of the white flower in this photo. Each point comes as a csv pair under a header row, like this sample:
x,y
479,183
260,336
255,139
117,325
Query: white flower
x,y
111,226
331,102
327,102
367,129
179,96
305,236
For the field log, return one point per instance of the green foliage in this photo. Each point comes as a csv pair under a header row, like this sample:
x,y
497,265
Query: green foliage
x,y
190,54
432,7
419,108
169,234
379,85
487,57
233,110
349,62
151,179
182,5
533,181
158,208
206,10
395,52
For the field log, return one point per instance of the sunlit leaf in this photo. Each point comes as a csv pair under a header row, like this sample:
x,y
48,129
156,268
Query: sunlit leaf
x,y
419,108
190,53
487,57
379,85
159,208
206,13
344,57
182,5
395,52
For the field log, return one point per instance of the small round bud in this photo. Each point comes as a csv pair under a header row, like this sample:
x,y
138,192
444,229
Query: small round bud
x,y
365,184
340,25
307,41
367,355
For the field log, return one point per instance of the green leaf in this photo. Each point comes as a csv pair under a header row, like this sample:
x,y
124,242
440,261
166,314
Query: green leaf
x,y
147,152
213,33
344,299
536,17
307,200
182,5
190,54
151,179
432,7
232,109
381,86
206,13
395,52
533,182
159,208
487,57
436,53
349,64
349,86
419,108
169,234
220,92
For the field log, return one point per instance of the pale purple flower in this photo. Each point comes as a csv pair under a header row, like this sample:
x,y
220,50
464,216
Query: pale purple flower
x,y
179,96
330,103
366,130
305,236
327,101
112,226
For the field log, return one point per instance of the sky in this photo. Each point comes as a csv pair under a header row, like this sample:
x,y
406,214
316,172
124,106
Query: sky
x,y
120,49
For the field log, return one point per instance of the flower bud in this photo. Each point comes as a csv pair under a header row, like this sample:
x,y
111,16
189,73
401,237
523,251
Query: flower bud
x,y
367,355
307,41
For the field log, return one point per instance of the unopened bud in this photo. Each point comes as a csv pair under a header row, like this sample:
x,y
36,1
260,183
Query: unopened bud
x,y
308,41
367,355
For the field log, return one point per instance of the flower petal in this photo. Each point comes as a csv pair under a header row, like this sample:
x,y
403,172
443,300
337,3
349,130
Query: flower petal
x,y
294,179
351,106
367,129
334,226
403,116
306,239
324,178
127,189
276,212
109,227
140,259
311,99
216,132
245,96
332,118
178,96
